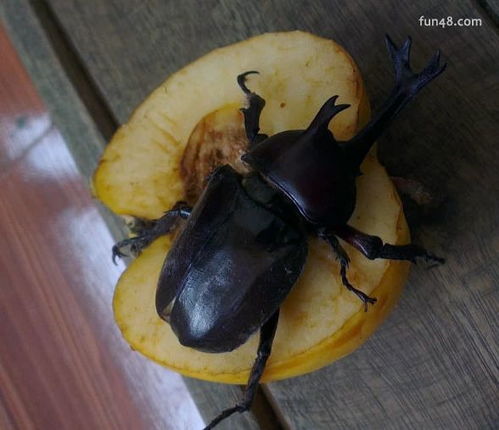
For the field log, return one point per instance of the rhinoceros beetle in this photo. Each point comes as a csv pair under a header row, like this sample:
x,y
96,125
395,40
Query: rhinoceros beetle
x,y
244,244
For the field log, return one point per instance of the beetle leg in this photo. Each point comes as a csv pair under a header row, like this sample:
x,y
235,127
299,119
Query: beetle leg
x,y
153,230
252,112
343,259
407,86
267,333
373,247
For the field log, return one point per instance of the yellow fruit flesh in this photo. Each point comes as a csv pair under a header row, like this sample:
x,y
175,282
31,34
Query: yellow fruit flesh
x,y
139,172
140,175
320,320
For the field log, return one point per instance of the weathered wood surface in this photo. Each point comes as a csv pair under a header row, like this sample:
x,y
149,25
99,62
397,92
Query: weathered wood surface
x,y
63,363
61,81
434,364
52,80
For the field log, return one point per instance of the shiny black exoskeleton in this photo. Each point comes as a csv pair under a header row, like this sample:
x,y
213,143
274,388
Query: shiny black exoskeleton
x,y
244,244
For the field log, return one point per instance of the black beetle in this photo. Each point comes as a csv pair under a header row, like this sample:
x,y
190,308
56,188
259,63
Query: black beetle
x,y
244,244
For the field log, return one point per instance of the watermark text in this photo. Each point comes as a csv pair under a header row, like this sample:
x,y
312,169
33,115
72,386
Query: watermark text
x,y
449,21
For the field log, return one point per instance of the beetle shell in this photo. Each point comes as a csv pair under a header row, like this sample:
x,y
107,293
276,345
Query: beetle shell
x,y
311,169
230,268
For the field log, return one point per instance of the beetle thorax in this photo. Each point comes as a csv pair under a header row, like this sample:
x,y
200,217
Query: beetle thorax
x,y
311,170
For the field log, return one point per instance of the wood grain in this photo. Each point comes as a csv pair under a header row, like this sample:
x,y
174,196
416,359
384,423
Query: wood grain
x,y
63,364
23,118
85,141
434,364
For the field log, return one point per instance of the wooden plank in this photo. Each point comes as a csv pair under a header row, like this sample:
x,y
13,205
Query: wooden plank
x,y
491,10
23,119
63,363
73,119
434,363
83,133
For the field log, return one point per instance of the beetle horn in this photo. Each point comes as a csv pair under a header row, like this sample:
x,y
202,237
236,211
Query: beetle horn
x,y
325,114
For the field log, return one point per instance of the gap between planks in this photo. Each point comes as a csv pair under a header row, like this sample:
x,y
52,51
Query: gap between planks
x,y
263,408
75,70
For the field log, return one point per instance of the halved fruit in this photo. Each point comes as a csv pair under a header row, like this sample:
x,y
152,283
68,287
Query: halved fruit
x,y
141,175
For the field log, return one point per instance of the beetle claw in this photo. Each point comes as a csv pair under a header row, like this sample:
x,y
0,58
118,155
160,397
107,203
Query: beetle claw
x,y
432,260
367,300
135,245
417,254
361,295
241,80
147,231
344,261
116,253
255,105
267,333
405,78
400,56
225,414
432,70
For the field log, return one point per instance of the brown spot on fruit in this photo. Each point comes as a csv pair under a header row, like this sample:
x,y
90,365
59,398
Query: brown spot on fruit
x,y
217,139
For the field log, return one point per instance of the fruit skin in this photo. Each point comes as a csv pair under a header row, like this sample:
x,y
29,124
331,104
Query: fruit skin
x,y
145,117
